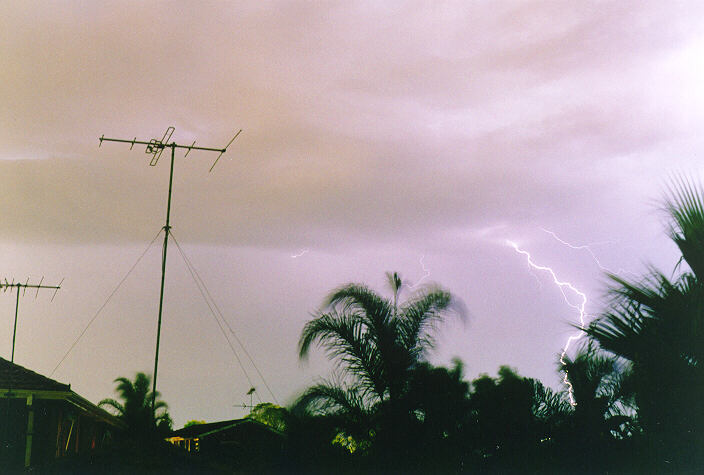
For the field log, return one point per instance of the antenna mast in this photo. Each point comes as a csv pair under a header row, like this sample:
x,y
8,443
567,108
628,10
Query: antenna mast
x,y
4,286
155,148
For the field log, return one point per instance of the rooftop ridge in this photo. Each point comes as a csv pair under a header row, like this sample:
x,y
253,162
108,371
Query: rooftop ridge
x,y
18,377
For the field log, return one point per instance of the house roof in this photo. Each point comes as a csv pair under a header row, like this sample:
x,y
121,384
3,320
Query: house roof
x,y
19,381
197,430
14,376
202,430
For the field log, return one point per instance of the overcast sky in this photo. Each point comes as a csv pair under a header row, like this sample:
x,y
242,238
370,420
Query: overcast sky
x,y
415,137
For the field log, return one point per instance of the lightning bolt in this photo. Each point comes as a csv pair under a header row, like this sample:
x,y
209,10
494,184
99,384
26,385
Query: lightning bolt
x,y
425,276
295,256
587,247
564,287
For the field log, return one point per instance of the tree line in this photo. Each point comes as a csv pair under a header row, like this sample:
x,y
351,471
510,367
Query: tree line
x,y
636,383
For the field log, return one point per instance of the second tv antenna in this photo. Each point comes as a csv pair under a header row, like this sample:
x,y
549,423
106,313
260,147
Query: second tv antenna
x,y
155,148
5,286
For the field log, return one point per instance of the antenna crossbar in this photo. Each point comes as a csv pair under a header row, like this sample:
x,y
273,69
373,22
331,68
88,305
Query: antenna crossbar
x,y
162,145
6,285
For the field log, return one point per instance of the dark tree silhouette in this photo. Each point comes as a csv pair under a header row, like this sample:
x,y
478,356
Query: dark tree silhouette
x,y
596,426
657,324
504,415
436,409
603,400
136,409
271,415
376,342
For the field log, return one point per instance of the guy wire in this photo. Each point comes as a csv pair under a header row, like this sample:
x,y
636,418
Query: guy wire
x,y
105,303
209,299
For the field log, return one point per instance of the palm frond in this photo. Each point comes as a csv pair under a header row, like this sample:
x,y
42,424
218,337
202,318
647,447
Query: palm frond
x,y
627,328
109,402
685,205
549,405
362,301
395,285
327,398
345,337
654,314
594,377
395,282
418,316
374,340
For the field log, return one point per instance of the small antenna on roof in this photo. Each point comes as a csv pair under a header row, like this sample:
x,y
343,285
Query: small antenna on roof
x,y
6,285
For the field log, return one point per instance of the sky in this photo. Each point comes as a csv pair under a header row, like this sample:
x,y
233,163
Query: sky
x,y
417,137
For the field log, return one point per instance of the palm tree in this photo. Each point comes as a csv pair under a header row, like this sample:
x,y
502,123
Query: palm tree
x,y
657,325
136,408
375,342
603,403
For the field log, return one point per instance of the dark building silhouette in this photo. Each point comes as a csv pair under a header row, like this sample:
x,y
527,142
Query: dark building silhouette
x,y
42,420
238,443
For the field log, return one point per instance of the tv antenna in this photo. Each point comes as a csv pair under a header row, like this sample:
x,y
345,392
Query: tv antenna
x,y
155,147
251,405
5,286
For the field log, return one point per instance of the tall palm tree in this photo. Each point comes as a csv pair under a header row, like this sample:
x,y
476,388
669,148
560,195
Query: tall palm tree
x,y
136,406
375,343
657,324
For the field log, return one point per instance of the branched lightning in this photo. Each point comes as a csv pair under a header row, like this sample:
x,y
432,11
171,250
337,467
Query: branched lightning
x,y
563,286
425,276
587,247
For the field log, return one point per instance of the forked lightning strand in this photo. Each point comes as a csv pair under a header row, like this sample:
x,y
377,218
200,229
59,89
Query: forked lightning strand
x,y
580,308
425,276
587,247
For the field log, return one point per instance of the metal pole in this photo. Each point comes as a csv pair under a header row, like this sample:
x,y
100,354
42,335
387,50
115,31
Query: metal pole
x,y
167,227
14,330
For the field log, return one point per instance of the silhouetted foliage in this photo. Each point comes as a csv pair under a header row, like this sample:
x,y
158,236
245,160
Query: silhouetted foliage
x,y
374,340
634,403
193,422
504,416
310,445
271,415
378,345
594,426
601,394
425,430
136,407
657,325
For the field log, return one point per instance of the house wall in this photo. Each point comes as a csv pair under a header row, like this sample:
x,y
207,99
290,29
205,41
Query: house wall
x,y
62,430
58,429
13,432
